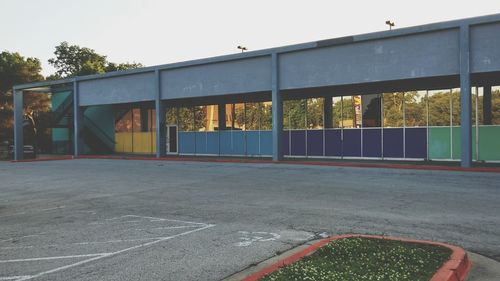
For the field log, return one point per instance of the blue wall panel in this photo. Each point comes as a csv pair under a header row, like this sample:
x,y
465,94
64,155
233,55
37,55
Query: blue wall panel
x,y
286,142
238,143
372,142
298,144
393,142
416,142
253,143
315,142
333,142
226,146
351,145
201,142
213,143
266,142
187,142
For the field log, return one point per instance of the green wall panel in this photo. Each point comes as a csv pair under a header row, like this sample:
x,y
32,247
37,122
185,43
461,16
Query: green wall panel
x,y
457,143
439,143
489,143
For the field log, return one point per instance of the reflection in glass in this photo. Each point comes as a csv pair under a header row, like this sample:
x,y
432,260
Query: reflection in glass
x,y
439,107
315,113
393,109
416,108
371,110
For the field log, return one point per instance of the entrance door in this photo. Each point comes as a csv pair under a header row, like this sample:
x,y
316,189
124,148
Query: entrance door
x,y
171,139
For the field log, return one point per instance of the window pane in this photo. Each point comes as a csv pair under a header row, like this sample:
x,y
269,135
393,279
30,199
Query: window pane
x,y
212,117
136,120
252,116
239,116
124,125
200,118
266,116
337,112
229,116
186,119
455,106
172,115
351,105
495,106
393,110
294,113
371,110
416,109
152,120
477,94
315,113
439,108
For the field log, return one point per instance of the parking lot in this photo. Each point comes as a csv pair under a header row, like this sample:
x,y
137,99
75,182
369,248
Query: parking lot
x,y
160,220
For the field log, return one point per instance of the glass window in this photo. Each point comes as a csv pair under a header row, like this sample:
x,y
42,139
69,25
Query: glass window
x,y
124,124
151,120
439,107
372,116
211,117
394,109
266,115
186,119
455,106
200,118
229,116
477,98
252,112
415,108
239,116
495,106
351,111
315,113
172,115
337,112
294,114
136,120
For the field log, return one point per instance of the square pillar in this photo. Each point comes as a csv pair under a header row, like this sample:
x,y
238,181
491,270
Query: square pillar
x,y
277,109
465,97
327,112
161,138
18,125
77,122
221,116
487,118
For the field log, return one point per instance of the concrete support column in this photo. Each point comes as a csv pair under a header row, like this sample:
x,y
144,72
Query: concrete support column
x,y
222,116
487,105
77,122
18,125
327,112
465,97
161,138
277,109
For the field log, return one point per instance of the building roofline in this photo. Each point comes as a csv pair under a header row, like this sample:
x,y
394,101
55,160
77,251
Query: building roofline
x,y
432,27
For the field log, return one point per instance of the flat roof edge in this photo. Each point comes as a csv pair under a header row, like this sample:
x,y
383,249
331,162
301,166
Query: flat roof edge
x,y
431,27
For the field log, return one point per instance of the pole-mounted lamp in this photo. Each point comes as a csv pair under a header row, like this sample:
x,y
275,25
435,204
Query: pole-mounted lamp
x,y
390,24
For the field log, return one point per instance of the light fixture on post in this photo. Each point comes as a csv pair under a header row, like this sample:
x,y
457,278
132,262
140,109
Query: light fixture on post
x,y
242,48
390,24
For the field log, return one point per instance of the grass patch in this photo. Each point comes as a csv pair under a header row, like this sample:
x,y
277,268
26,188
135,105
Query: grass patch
x,y
360,259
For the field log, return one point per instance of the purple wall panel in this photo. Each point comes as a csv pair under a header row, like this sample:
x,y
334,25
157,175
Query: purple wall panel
x,y
315,142
416,142
285,138
393,142
333,142
351,146
372,143
298,143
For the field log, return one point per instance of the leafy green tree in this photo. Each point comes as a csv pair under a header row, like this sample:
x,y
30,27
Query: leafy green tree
x,y
16,69
73,60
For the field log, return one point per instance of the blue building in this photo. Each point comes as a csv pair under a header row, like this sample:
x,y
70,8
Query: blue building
x,y
426,92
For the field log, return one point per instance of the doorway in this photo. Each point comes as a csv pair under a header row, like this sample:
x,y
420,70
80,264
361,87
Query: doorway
x,y
172,139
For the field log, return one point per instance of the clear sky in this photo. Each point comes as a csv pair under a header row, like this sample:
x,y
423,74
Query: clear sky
x,y
162,31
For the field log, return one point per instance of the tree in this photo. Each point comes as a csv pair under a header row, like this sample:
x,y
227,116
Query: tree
x,y
15,69
73,60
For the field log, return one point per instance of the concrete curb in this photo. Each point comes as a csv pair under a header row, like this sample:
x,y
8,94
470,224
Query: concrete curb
x,y
314,163
44,159
455,269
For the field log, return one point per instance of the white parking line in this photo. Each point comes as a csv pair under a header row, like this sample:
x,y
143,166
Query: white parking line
x,y
55,258
95,257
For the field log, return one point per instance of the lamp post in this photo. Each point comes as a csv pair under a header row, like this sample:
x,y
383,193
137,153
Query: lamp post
x,y
242,48
390,24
